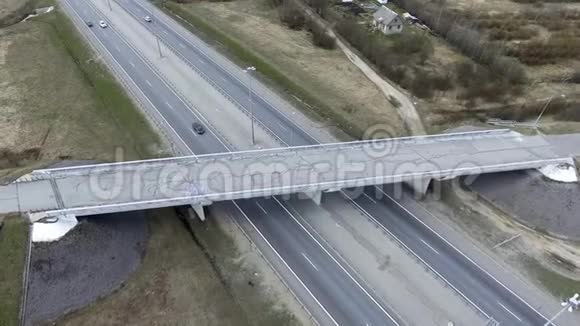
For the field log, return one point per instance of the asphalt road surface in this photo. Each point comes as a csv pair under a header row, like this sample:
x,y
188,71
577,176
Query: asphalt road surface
x,y
339,297
342,298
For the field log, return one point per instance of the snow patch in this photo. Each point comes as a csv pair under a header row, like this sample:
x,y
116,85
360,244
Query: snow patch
x,y
38,12
563,172
54,229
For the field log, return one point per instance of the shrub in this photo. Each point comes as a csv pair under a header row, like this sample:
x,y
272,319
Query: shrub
x,y
292,16
320,37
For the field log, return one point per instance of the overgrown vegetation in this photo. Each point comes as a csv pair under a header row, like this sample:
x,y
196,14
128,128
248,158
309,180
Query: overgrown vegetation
x,y
13,239
294,17
460,33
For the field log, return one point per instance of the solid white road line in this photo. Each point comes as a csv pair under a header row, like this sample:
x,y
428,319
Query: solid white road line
x,y
511,313
285,263
262,208
76,14
374,220
460,252
369,197
148,83
428,245
337,263
306,257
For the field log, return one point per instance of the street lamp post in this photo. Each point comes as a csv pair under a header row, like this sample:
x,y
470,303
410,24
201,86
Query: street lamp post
x,y
110,7
544,109
249,70
571,304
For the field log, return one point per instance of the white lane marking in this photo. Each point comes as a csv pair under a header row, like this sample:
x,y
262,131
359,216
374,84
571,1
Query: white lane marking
x,y
169,105
200,60
132,64
336,261
117,48
374,220
282,126
75,13
181,44
511,313
285,264
148,83
207,56
164,31
460,252
192,110
369,197
428,245
262,208
311,263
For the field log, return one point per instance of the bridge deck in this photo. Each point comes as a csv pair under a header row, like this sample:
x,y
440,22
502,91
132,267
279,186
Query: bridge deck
x,y
103,188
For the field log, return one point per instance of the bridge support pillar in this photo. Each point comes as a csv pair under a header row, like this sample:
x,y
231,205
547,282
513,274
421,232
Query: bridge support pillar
x,y
419,185
199,211
316,196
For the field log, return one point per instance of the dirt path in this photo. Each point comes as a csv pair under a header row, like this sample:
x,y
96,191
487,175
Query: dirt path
x,y
406,109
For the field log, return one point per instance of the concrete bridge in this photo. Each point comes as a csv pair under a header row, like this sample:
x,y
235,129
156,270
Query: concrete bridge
x,y
310,170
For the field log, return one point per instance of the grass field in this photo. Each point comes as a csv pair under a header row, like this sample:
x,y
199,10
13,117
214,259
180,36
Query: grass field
x,y
13,239
558,285
59,100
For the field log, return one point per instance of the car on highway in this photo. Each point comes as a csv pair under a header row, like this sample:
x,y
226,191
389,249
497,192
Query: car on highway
x,y
198,128
103,24
90,23
147,19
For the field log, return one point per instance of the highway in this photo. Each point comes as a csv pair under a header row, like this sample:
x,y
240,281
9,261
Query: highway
x,y
236,89
339,297
313,264
478,287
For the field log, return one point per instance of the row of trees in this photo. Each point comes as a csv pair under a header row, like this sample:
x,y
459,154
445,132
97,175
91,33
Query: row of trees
x,y
464,36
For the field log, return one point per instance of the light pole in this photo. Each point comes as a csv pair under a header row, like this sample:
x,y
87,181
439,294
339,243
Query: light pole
x,y
109,2
571,304
249,70
544,109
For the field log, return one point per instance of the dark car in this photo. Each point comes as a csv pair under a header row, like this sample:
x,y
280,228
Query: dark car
x,y
198,128
90,24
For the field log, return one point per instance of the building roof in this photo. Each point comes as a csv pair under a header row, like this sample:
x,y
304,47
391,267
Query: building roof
x,y
385,15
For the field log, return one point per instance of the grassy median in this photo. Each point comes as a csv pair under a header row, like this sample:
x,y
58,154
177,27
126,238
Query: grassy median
x,y
13,239
557,284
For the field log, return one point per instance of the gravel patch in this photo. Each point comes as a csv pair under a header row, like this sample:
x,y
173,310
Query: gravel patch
x,y
547,206
88,263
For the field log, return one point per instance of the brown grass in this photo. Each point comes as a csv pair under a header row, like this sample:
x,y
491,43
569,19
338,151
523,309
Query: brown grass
x,y
327,74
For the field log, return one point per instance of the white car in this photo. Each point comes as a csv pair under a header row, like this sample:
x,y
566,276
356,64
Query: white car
x,y
147,19
103,24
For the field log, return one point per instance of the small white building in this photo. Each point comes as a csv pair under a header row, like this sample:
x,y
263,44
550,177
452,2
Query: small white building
x,y
387,21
